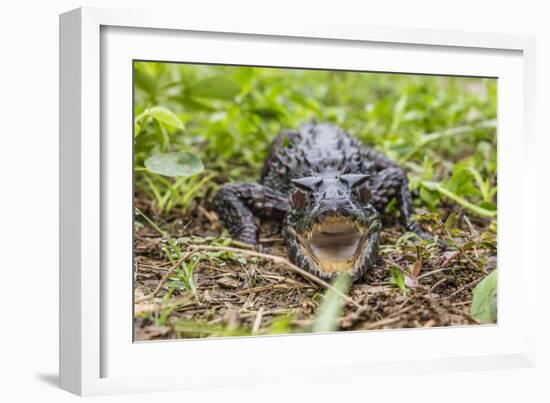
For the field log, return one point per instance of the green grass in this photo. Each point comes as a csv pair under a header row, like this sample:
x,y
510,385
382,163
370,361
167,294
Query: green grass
x,y
441,129
172,249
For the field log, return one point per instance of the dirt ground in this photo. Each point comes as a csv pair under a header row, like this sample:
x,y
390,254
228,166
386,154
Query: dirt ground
x,y
244,295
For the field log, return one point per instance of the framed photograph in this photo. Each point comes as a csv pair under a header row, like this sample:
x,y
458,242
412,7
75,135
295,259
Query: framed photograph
x,y
238,197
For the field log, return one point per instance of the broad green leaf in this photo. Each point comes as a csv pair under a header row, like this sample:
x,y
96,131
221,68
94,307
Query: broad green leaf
x,y
331,307
461,182
434,186
165,117
137,122
398,278
306,101
484,303
429,197
196,105
220,87
175,164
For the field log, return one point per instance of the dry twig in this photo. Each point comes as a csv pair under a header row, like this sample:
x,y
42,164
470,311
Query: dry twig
x,y
258,321
281,261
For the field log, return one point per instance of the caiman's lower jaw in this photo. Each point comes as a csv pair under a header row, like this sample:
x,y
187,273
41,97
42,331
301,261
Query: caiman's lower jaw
x,y
336,244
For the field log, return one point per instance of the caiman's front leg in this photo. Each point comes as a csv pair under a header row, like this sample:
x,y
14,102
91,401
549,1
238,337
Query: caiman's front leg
x,y
392,182
238,205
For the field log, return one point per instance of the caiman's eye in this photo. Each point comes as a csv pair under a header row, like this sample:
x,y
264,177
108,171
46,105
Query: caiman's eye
x,y
304,185
358,182
298,199
364,193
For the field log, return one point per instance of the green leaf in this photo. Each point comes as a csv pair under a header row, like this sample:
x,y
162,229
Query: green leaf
x,y
196,105
163,139
484,185
137,122
175,164
145,82
398,278
451,220
219,87
165,117
484,303
461,182
281,324
331,307
429,197
434,186
398,111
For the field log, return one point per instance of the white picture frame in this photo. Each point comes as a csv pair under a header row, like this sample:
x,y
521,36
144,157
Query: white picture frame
x,y
97,353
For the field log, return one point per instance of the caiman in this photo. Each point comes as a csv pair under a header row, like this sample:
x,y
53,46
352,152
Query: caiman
x,y
328,190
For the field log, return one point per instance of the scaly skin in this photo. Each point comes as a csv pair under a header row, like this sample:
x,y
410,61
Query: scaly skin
x,y
330,161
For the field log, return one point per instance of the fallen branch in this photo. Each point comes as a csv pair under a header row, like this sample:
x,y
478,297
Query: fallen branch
x,y
281,261
241,245
271,239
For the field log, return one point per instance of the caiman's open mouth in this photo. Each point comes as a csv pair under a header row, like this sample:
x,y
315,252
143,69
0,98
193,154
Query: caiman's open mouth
x,y
336,244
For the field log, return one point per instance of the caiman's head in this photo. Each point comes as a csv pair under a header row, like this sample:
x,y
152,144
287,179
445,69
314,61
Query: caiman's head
x,y
332,227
